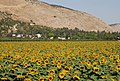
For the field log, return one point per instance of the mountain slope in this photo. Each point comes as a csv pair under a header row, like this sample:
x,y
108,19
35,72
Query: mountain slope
x,y
52,16
116,27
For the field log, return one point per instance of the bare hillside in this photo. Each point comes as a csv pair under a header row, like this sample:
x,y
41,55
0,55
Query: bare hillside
x,y
52,16
116,27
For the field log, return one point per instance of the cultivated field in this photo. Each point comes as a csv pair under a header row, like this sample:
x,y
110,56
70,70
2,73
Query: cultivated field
x,y
60,61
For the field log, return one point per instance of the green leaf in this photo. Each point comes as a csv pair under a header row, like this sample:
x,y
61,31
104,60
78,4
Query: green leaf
x,y
56,79
93,77
9,78
82,79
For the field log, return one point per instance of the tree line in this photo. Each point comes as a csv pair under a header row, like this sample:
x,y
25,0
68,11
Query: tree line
x,y
9,26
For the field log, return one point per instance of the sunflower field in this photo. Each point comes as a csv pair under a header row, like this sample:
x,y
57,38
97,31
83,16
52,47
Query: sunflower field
x,y
60,61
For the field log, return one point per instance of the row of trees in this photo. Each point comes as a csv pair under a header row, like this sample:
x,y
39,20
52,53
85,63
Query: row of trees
x,y
7,25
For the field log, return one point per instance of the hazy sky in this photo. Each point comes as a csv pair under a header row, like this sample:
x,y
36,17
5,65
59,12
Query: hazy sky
x,y
106,10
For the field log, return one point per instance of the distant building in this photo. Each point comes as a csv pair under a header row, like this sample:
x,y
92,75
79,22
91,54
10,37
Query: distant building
x,y
38,35
19,35
61,38
30,36
51,38
68,38
13,35
118,38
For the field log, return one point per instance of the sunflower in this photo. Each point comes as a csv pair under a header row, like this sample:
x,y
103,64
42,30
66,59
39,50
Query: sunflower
x,y
67,68
46,61
95,63
96,69
118,60
111,66
12,70
37,73
58,65
32,71
39,63
88,56
17,56
1,66
88,64
112,79
41,79
51,71
61,75
117,56
32,60
118,67
50,78
104,77
65,80
76,72
111,57
4,79
114,62
82,67
59,61
1,57
63,62
15,65
103,61
27,79
96,58
76,77
20,76
41,59
25,65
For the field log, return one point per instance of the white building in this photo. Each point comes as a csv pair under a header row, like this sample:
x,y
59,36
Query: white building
x,y
68,38
38,35
51,38
61,38
19,35
13,35
30,36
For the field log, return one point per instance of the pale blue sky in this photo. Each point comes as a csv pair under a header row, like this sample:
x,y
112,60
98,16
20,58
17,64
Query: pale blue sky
x,y
106,10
